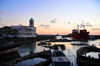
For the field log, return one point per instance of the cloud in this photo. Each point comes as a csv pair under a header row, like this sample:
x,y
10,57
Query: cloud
x,y
44,26
2,24
68,22
88,24
95,28
54,20
47,26
83,21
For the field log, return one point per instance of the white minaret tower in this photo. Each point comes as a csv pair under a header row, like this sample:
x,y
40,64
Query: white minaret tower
x,y
31,22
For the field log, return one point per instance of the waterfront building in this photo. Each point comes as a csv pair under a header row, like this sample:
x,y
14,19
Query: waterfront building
x,y
6,31
19,31
26,31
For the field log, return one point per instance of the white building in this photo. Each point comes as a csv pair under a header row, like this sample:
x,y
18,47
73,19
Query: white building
x,y
26,31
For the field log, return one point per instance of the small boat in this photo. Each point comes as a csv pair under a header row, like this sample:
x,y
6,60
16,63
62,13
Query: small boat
x,y
59,59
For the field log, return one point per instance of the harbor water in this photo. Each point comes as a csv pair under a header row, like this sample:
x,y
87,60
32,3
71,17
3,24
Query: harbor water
x,y
70,51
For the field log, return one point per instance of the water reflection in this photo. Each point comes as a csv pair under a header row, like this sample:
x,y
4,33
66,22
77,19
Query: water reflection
x,y
96,42
9,50
92,55
39,48
26,49
30,62
79,42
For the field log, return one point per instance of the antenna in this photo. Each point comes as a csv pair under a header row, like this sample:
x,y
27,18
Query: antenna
x,y
77,27
83,25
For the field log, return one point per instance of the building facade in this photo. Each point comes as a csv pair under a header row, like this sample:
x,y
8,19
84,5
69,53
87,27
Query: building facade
x,y
6,31
26,31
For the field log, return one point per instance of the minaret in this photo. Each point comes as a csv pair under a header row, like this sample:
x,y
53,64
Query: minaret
x,y
31,22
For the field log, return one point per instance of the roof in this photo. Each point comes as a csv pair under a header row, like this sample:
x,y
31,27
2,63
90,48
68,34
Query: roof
x,y
31,20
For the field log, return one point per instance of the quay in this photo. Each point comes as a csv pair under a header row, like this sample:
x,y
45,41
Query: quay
x,y
14,42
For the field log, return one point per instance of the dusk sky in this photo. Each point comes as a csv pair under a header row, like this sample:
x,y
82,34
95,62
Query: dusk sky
x,y
52,16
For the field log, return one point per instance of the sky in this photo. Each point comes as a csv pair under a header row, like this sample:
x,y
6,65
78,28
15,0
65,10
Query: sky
x,y
52,16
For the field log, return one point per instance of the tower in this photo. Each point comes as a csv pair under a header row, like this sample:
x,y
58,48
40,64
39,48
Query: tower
x,y
31,22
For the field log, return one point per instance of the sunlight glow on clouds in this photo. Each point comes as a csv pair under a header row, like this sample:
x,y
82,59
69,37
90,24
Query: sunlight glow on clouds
x,y
51,16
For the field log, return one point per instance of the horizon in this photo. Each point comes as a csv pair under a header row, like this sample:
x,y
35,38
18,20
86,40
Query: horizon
x,y
52,16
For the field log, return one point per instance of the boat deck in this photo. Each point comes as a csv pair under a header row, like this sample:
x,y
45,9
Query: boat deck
x,y
59,59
